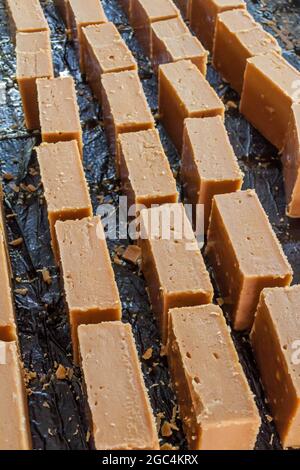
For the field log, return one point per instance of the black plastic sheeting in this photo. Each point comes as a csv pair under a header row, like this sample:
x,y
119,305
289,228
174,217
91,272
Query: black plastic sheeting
x,y
57,405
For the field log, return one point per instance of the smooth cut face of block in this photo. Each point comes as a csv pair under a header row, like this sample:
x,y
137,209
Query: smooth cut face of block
x,y
291,163
185,8
58,109
145,12
125,108
234,44
34,60
238,235
120,410
204,14
144,170
184,92
104,52
275,342
209,165
270,89
14,422
216,404
90,288
82,14
26,16
172,41
65,188
172,263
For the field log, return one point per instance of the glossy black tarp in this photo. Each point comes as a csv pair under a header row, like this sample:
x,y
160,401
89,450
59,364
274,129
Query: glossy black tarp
x,y
57,404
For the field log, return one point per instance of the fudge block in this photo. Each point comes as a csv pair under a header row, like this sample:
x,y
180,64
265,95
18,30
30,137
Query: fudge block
x,y
7,313
146,12
203,16
235,42
58,110
63,8
209,165
275,342
291,163
25,16
34,60
82,14
172,41
217,407
172,262
90,288
120,411
268,93
104,52
145,172
14,422
185,8
65,188
125,108
245,254
184,92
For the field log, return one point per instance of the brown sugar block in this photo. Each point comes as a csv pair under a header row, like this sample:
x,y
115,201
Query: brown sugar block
x,y
120,410
26,16
14,422
63,8
172,263
132,254
270,88
275,342
58,109
90,288
83,14
203,17
172,41
235,42
209,165
104,52
185,8
146,12
291,163
145,172
34,60
238,235
125,108
216,405
65,188
184,92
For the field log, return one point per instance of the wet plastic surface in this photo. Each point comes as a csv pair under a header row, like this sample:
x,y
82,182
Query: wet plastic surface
x,y
56,400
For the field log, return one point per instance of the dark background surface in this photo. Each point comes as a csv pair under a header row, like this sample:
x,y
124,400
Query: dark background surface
x,y
57,405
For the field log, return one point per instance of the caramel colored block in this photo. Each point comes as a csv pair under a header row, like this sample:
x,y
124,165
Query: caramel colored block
x,y
104,52
245,254
172,262
120,410
270,89
7,314
291,163
146,12
209,165
235,43
63,8
65,186
58,109
81,14
14,422
145,172
172,41
275,342
34,60
185,8
90,288
203,17
217,407
125,108
184,92
26,16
